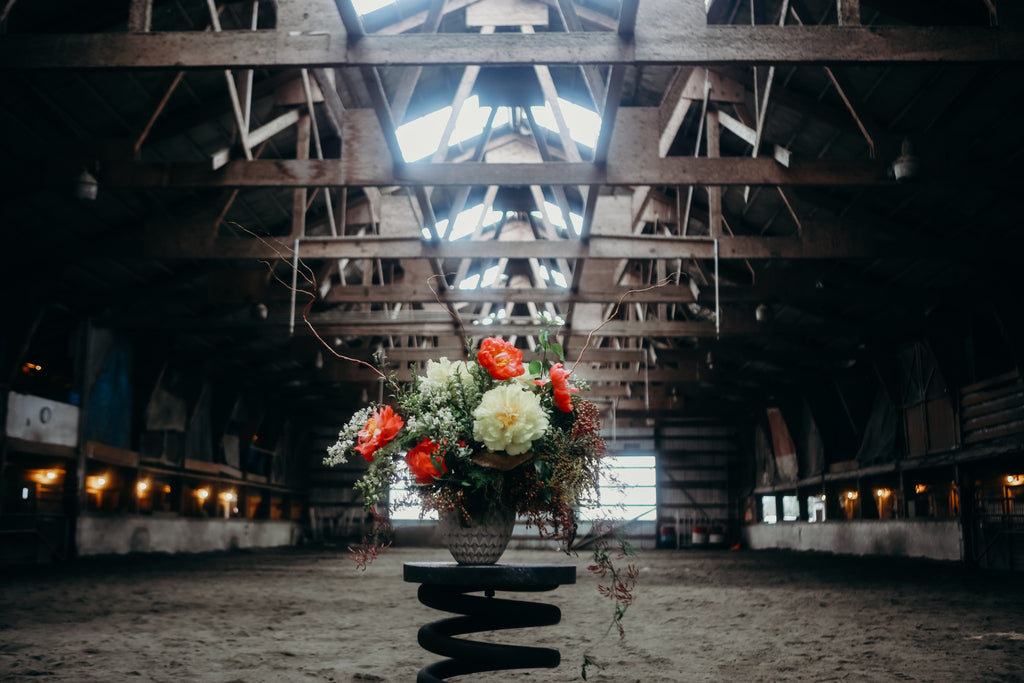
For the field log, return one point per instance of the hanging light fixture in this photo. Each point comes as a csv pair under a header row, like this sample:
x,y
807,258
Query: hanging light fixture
x,y
906,165
86,186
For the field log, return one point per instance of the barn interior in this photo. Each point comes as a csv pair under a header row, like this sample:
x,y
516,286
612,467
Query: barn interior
x,y
779,237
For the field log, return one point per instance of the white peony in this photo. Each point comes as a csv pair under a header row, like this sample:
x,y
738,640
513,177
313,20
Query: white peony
x,y
438,371
509,418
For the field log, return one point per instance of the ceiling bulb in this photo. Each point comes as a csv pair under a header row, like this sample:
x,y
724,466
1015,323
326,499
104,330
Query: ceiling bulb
x,y
259,310
86,186
906,165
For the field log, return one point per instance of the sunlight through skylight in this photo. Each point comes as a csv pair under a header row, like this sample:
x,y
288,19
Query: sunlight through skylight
x,y
364,7
584,124
465,223
490,276
420,138
554,213
553,276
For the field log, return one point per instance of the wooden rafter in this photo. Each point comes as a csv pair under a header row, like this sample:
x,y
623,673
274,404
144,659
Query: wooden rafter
x,y
625,172
819,240
654,43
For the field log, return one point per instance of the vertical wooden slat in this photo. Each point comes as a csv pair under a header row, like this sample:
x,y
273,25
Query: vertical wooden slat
x,y
714,191
299,194
140,16
848,12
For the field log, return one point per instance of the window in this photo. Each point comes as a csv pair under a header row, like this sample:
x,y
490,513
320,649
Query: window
x,y
405,504
816,508
768,512
628,489
790,508
628,492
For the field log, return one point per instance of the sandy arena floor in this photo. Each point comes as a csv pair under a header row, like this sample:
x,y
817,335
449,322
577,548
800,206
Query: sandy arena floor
x,y
309,615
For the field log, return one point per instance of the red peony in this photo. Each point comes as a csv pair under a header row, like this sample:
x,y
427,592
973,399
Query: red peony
x,y
382,426
559,379
501,358
423,463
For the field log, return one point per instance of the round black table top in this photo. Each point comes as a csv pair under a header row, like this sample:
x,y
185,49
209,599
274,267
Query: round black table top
x,y
497,576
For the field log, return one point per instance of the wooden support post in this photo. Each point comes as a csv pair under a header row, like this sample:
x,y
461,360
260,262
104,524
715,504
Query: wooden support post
x,y
236,102
308,91
299,194
848,12
714,191
140,16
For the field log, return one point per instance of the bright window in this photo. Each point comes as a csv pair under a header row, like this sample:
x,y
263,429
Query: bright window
x,y
790,508
405,504
816,508
628,492
628,489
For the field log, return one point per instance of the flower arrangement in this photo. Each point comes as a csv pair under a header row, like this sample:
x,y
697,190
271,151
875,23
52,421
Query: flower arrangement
x,y
483,435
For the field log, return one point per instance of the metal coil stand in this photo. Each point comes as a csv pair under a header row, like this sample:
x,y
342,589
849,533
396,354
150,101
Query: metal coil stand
x,y
485,613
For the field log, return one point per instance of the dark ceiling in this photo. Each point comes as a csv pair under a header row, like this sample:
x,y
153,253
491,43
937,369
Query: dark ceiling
x,y
824,256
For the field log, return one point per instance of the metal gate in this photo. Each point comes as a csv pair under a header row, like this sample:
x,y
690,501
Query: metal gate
x,y
997,541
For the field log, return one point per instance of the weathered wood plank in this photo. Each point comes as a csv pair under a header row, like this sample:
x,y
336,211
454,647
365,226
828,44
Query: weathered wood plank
x,y
415,294
612,247
653,44
291,173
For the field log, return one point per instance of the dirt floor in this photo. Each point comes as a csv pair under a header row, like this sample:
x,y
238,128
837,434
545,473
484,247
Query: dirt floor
x,y
308,615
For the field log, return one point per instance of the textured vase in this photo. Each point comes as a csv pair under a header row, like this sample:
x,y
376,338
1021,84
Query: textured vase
x,y
476,542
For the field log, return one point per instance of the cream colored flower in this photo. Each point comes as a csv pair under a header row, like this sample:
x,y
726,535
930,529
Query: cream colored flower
x,y
509,418
437,372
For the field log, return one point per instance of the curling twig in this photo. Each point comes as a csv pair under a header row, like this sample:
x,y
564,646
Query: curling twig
x,y
307,274
448,307
663,283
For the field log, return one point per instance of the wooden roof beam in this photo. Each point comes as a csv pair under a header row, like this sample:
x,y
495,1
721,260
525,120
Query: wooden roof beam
x,y
656,42
289,173
818,240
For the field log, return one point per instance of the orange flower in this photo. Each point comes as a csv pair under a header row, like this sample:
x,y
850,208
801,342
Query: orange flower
x,y
502,359
423,463
382,426
559,379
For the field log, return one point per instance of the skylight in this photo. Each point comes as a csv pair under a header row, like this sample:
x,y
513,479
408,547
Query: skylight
x,y
489,278
364,7
465,223
554,213
584,124
553,276
421,137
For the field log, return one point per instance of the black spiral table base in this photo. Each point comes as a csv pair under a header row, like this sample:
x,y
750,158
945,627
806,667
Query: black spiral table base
x,y
445,587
